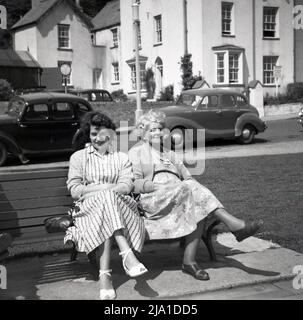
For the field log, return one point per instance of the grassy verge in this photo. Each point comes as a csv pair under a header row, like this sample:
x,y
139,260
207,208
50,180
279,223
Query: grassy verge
x,y
266,187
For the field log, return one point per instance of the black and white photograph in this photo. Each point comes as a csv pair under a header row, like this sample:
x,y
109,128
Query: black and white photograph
x,y
151,151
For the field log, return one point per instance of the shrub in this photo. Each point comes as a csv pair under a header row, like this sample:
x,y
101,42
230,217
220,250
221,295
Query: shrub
x,y
6,90
295,90
118,95
167,94
280,99
150,83
188,79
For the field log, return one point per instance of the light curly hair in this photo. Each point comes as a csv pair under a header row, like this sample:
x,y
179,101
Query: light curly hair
x,y
144,122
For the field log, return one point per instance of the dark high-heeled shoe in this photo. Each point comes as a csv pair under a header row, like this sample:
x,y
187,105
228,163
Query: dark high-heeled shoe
x,y
195,271
249,230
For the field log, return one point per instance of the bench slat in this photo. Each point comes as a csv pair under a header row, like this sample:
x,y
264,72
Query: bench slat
x,y
32,193
34,203
30,222
32,183
40,212
29,233
58,173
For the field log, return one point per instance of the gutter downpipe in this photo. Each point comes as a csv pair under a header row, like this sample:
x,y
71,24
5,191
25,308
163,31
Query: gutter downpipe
x,y
254,39
185,27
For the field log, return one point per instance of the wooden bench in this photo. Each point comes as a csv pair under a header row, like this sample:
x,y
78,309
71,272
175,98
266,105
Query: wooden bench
x,y
29,196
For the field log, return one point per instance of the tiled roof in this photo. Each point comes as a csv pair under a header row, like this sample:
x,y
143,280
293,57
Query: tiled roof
x,y
109,16
11,58
35,14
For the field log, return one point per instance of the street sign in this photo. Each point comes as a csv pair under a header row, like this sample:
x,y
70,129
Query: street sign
x,y
277,75
65,69
277,72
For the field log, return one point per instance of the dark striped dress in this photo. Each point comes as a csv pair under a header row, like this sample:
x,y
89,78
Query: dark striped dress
x,y
107,211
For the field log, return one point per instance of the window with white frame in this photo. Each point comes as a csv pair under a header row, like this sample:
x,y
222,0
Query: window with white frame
x,y
115,37
63,36
229,67
220,68
116,73
158,29
69,77
134,76
269,62
227,12
270,22
234,68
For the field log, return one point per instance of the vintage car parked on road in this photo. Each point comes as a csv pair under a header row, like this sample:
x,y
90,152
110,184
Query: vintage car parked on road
x,y
301,116
94,95
222,113
40,123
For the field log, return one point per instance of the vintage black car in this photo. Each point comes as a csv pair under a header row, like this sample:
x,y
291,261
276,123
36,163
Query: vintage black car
x,y
40,123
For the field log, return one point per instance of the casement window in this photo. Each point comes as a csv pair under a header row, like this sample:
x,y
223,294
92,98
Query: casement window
x,y
270,22
69,77
233,68
158,29
116,72
229,67
115,37
269,62
63,36
134,76
227,13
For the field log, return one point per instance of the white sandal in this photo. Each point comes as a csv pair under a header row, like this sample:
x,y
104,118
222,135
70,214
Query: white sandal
x,y
135,271
107,294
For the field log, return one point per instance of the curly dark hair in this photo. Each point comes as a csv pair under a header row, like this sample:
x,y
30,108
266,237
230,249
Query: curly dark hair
x,y
92,118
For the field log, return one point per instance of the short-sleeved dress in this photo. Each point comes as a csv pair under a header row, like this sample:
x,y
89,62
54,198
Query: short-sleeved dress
x,y
175,210
99,216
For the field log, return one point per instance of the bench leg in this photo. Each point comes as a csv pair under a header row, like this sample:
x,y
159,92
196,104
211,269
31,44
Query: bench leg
x,y
207,238
74,253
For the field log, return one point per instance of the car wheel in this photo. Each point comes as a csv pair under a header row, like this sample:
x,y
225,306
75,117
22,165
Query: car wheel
x,y
3,154
178,138
247,135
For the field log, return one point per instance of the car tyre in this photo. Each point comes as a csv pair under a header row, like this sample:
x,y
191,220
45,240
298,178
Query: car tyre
x,y
3,154
179,142
247,135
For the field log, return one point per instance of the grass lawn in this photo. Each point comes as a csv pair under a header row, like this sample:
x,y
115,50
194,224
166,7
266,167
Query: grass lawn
x,y
266,187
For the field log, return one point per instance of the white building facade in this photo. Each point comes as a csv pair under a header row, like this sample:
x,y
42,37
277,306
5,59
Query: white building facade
x,y
231,42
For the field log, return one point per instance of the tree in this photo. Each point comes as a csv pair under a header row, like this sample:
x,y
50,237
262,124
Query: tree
x,y
188,79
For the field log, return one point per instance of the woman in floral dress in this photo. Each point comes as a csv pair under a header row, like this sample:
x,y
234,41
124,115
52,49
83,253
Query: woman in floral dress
x,y
174,203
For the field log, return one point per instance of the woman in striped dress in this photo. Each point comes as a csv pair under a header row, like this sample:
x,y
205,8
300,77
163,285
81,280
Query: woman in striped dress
x,y
100,178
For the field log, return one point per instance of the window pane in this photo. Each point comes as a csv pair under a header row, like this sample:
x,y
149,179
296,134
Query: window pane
x,y
268,69
226,10
63,36
228,101
62,110
269,21
220,68
36,112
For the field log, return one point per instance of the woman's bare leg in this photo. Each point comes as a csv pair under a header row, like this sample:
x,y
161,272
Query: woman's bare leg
x,y
103,255
232,223
123,245
191,244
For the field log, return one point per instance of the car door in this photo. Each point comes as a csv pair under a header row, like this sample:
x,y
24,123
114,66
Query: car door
x,y
208,116
229,114
34,128
64,125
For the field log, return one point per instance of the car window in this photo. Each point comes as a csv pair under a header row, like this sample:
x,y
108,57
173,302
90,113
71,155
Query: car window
x,y
63,111
36,112
189,100
228,101
82,109
240,101
209,102
106,97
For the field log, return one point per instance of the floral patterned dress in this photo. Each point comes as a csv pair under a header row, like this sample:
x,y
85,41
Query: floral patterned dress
x,y
175,210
